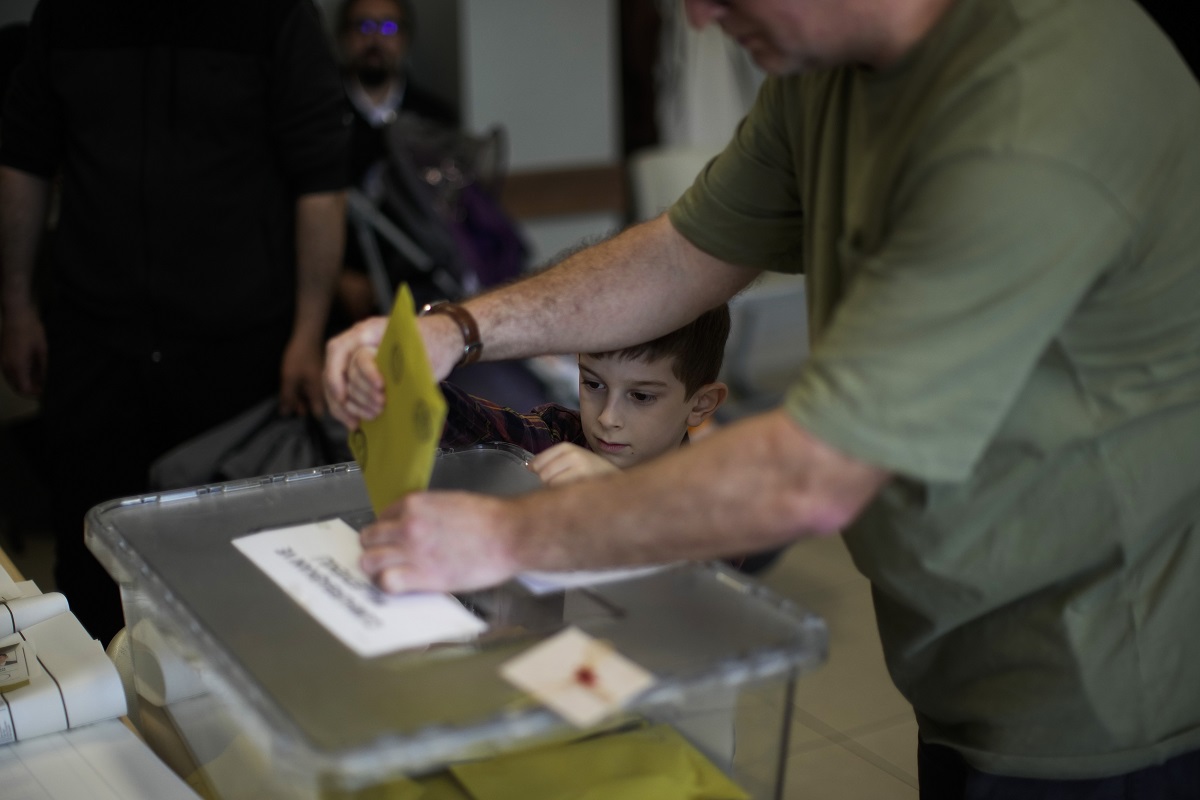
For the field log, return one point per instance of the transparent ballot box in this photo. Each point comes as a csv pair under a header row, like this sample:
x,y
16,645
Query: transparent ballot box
x,y
247,695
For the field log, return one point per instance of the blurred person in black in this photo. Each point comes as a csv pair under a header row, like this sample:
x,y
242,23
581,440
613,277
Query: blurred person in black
x,y
202,153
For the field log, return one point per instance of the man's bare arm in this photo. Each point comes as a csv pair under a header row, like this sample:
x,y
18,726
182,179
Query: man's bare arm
x,y
750,486
641,284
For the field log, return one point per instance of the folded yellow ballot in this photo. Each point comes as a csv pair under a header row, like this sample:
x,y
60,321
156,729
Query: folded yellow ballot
x,y
654,763
650,763
396,449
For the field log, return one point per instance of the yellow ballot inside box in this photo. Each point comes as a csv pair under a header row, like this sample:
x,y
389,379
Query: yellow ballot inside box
x,y
396,450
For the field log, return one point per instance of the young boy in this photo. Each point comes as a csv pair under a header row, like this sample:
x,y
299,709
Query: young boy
x,y
634,404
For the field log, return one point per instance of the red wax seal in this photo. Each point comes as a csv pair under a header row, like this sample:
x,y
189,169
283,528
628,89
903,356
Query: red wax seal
x,y
585,676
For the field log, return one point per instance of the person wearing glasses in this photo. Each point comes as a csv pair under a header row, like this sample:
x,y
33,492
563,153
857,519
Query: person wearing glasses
x,y
374,37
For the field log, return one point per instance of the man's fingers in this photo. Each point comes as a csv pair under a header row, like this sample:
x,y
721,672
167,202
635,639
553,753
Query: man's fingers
x,y
375,560
364,389
345,415
340,350
394,581
364,371
391,570
335,379
380,532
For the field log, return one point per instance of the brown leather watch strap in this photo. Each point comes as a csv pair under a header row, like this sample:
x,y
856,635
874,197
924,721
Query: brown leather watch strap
x,y
472,345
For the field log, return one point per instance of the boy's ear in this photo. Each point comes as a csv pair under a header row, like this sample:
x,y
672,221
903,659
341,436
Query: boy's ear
x,y
706,401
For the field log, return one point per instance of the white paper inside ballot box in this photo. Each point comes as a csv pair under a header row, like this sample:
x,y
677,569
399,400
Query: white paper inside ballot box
x,y
317,566
548,582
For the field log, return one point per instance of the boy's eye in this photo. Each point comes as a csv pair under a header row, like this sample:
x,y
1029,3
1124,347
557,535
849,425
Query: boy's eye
x,y
594,386
642,397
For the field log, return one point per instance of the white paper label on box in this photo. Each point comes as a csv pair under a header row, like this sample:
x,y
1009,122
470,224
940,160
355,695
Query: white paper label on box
x,y
317,566
578,676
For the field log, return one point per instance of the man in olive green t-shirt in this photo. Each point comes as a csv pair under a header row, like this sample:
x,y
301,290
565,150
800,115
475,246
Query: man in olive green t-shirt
x,y
997,207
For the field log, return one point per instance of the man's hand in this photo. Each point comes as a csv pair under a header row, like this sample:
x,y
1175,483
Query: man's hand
x,y
353,385
441,542
340,354
566,463
23,351
364,385
300,379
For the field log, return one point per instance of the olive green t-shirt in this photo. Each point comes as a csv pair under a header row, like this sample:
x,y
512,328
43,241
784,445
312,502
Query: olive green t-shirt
x,y
1001,238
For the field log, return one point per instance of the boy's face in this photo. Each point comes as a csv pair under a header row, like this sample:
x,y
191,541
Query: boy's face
x,y
631,410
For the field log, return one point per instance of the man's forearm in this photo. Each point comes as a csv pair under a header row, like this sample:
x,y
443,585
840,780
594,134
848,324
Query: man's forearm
x,y
751,486
637,286
320,237
24,199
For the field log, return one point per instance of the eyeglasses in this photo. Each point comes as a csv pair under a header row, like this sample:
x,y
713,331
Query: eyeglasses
x,y
384,27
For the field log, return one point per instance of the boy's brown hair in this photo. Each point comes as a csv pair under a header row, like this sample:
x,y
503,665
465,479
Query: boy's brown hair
x,y
696,350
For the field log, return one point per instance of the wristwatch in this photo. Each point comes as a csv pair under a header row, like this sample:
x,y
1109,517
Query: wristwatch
x,y
472,345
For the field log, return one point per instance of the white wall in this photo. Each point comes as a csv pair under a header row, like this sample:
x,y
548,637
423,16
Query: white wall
x,y
548,71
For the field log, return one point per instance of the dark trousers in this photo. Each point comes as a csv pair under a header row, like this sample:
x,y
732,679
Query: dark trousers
x,y
109,412
944,775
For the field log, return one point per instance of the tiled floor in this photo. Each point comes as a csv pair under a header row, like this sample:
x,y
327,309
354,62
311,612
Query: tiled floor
x,y
854,736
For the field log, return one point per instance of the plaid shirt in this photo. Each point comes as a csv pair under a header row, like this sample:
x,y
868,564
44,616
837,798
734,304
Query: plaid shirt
x,y
473,420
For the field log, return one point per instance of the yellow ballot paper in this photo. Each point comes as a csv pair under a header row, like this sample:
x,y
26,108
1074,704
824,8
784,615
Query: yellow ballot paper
x,y
396,449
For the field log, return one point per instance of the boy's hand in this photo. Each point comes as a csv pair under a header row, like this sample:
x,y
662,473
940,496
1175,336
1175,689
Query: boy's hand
x,y
566,463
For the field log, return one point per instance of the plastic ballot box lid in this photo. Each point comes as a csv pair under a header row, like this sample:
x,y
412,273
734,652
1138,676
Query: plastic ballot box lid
x,y
696,628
